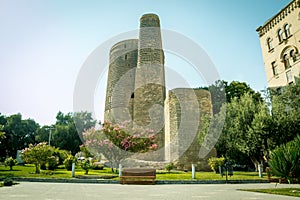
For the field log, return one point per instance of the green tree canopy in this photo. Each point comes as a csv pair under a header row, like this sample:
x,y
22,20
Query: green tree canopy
x,y
18,134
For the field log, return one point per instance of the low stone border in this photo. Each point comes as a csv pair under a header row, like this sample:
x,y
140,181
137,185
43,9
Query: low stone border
x,y
211,182
158,182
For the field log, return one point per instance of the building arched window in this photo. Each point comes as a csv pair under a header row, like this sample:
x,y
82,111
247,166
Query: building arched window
x,y
280,35
293,55
286,61
287,30
269,43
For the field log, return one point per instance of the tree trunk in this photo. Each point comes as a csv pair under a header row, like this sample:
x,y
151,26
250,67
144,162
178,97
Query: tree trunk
x,y
255,162
37,168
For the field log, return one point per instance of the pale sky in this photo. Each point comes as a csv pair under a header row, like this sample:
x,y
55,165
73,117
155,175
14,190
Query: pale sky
x,y
44,43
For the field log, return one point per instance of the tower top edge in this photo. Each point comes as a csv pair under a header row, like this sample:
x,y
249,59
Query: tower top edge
x,y
128,41
150,15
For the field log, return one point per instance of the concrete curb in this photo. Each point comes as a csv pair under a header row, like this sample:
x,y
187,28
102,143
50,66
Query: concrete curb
x,y
158,182
212,182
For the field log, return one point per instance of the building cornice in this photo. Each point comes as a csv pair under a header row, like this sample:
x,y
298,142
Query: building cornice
x,y
269,24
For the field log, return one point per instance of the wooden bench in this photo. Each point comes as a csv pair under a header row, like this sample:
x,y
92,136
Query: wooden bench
x,y
138,176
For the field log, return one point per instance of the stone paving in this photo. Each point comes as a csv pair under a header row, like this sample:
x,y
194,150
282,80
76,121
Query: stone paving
x,y
80,191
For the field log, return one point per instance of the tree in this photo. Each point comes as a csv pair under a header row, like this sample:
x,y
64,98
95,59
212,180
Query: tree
x,y
64,134
37,155
83,121
222,92
218,95
43,133
18,134
67,131
243,128
237,89
2,123
10,162
2,136
285,113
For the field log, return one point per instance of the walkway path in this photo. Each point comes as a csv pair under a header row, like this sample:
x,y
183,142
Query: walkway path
x,y
79,191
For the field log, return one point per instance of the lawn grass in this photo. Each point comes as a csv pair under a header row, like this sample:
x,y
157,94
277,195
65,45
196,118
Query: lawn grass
x,y
280,191
28,171
162,175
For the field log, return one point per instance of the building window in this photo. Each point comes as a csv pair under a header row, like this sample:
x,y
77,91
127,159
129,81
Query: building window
x,y
289,76
293,55
274,69
125,56
286,61
287,30
269,42
280,35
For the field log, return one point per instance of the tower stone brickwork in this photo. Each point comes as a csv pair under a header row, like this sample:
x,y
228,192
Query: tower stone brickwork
x,y
136,91
120,84
182,142
150,92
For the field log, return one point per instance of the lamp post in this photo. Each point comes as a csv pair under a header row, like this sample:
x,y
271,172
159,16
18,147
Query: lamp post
x,y
50,133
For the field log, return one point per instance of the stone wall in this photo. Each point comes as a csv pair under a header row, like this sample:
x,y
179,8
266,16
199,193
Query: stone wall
x,y
183,110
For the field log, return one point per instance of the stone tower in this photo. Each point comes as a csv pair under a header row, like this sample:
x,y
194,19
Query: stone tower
x,y
150,92
136,81
120,82
136,91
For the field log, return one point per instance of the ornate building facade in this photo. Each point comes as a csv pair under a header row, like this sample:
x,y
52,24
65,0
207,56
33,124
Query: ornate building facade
x,y
280,44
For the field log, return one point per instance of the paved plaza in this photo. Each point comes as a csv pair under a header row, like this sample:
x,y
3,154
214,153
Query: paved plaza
x,y
79,191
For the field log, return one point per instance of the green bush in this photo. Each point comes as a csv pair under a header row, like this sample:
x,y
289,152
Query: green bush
x,y
68,162
10,162
285,160
215,162
169,167
97,167
86,165
53,162
8,182
61,154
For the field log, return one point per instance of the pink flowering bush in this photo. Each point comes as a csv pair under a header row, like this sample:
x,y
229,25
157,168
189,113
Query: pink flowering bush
x,y
37,154
118,141
129,139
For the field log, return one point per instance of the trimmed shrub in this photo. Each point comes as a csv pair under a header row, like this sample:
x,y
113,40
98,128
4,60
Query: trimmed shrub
x,y
53,162
68,162
169,167
215,162
10,162
8,182
86,165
